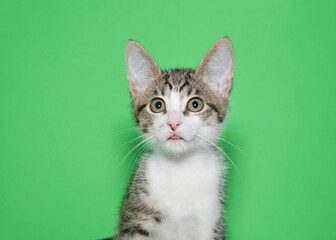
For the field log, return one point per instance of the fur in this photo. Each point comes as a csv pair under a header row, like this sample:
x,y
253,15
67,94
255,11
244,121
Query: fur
x,y
177,189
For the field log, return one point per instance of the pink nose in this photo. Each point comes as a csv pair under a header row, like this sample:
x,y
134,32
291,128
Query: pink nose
x,y
174,125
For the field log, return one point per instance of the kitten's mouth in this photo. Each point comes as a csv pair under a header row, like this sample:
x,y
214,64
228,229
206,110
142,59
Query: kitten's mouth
x,y
175,137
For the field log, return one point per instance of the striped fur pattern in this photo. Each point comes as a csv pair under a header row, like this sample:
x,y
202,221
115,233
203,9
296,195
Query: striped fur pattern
x,y
187,84
177,189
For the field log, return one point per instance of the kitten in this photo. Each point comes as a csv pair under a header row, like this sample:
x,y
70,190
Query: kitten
x,y
177,190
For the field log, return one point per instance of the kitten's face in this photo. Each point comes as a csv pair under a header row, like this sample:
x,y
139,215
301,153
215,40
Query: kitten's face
x,y
180,110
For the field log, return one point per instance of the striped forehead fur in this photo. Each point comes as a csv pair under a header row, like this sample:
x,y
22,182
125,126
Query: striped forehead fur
x,y
187,84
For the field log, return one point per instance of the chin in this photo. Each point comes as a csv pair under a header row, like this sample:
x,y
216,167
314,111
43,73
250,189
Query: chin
x,y
177,147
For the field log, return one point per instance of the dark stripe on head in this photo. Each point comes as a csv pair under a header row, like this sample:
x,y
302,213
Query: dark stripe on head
x,y
213,107
184,85
189,91
162,91
187,75
169,85
134,230
142,232
141,107
165,78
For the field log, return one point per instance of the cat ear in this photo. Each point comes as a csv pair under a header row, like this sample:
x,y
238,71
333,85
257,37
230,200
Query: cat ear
x,y
217,67
140,67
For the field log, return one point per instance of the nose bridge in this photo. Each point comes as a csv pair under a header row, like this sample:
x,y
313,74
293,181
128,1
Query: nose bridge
x,y
175,116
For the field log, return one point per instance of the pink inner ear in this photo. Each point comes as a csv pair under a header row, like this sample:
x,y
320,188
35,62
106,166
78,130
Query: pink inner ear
x,y
217,67
140,67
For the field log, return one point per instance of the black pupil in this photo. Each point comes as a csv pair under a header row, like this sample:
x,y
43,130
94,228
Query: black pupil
x,y
158,105
195,104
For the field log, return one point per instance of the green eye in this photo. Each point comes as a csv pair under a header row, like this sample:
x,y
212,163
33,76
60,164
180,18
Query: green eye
x,y
195,105
158,105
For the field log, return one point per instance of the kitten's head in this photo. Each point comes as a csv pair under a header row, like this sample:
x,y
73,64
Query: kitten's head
x,y
180,110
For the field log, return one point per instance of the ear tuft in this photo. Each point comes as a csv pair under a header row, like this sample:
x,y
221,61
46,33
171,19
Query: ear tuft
x,y
217,67
140,67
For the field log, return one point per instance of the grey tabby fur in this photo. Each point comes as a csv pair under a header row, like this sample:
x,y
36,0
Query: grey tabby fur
x,y
139,211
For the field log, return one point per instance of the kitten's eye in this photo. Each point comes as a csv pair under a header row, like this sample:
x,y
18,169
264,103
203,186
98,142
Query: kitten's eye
x,y
195,105
158,105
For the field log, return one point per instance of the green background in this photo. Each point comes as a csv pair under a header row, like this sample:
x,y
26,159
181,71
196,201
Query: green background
x,y
64,108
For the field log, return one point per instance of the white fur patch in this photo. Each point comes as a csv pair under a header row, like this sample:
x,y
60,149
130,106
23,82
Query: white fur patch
x,y
186,189
192,127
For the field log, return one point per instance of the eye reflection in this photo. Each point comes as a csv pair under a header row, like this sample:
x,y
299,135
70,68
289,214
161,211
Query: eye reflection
x,y
195,105
157,105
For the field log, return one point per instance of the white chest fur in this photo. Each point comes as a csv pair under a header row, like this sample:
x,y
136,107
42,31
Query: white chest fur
x,y
187,192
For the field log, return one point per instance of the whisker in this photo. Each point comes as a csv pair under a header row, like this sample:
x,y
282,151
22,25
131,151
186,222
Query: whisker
x,y
117,152
135,147
139,150
233,164
147,146
219,138
126,130
123,146
203,145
